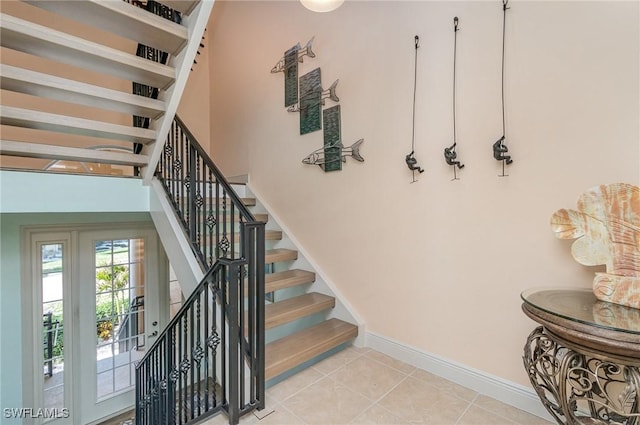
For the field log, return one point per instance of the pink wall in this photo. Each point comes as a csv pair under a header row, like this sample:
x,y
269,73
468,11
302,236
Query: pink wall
x,y
438,265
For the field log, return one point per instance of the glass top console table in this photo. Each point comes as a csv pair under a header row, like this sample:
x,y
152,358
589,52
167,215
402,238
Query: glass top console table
x,y
584,361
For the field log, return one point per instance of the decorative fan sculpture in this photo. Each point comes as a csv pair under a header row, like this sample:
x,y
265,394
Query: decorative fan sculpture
x,y
607,228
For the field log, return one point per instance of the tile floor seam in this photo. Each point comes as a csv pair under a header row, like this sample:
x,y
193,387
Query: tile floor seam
x,y
379,399
376,402
302,389
373,403
464,412
339,367
382,407
398,370
302,422
450,393
509,421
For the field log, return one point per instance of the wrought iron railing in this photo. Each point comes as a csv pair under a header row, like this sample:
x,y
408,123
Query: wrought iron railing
x,y
187,373
50,339
210,211
211,356
128,334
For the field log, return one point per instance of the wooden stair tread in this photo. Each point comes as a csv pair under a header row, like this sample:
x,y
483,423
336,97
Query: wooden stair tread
x,y
44,85
263,217
35,150
269,235
291,309
280,254
217,202
288,278
123,19
285,279
293,350
61,123
27,37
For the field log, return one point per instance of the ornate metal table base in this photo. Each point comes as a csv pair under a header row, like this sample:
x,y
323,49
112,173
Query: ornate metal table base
x,y
582,388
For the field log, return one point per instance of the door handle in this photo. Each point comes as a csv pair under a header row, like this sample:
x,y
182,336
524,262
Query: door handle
x,y
154,334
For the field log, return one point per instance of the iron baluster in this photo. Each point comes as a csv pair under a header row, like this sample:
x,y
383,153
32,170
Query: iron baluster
x,y
192,368
217,251
234,333
224,241
211,221
223,331
215,338
247,238
179,160
232,225
184,364
259,296
205,337
197,357
179,372
192,195
196,200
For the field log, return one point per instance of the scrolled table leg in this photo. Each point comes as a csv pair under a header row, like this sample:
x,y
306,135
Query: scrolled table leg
x,y
579,388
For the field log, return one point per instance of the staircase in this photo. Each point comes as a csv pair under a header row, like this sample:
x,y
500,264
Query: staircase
x,y
216,223
68,76
67,73
293,301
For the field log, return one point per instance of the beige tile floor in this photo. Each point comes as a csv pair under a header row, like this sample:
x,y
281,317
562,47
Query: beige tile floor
x,y
363,386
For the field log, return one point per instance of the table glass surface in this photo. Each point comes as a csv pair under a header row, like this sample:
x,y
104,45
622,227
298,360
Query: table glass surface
x,y
580,305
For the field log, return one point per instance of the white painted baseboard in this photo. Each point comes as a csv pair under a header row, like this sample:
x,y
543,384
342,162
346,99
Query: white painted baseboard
x,y
500,389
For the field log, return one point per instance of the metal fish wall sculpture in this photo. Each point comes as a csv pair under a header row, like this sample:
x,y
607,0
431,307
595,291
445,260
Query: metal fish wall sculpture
x,y
329,93
302,52
317,157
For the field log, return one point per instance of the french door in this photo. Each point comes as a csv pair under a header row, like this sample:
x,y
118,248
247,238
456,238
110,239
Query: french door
x,y
102,296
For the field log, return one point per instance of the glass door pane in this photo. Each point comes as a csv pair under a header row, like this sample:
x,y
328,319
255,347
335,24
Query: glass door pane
x,y
119,295
51,277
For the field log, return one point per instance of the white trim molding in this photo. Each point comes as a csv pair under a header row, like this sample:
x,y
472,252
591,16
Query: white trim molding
x,y
500,389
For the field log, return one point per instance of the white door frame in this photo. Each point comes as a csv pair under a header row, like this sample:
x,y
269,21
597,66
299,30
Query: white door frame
x,y
74,376
32,383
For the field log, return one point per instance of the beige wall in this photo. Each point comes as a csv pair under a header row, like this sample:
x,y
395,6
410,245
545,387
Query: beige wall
x,y
438,264
194,105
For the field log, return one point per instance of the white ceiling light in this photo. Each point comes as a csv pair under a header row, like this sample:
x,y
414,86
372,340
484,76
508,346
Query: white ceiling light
x,y
322,5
